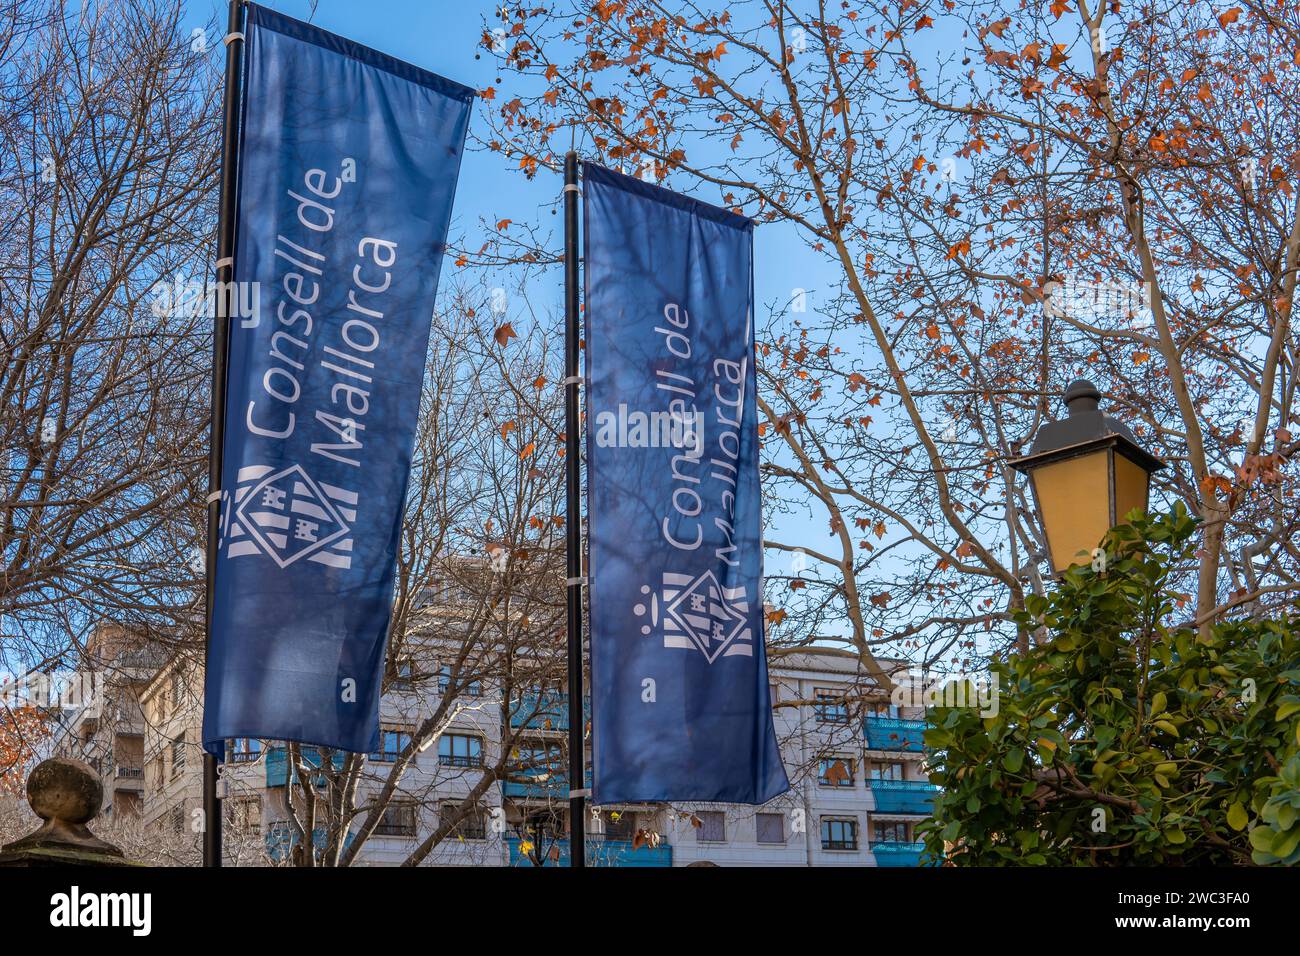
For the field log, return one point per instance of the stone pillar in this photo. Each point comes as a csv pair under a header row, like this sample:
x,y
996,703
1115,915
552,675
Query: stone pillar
x,y
67,795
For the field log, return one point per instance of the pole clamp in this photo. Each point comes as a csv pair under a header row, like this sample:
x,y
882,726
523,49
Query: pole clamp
x,y
573,188
213,496
227,261
230,38
576,794
572,380
580,581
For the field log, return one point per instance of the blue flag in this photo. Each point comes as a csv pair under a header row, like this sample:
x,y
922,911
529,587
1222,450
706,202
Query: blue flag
x,y
347,171
680,699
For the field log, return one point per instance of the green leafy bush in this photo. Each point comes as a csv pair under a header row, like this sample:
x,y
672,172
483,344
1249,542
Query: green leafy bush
x,y
1124,738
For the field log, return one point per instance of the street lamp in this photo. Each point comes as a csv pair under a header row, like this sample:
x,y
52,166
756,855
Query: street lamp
x,y
1088,472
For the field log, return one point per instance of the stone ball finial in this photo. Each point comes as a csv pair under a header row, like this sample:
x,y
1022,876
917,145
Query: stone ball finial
x,y
66,794
64,789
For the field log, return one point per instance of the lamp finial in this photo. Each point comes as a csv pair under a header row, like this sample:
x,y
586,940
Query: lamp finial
x,y
1081,396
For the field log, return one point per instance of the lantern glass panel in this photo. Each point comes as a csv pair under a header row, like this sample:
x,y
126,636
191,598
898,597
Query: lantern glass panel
x,y
1131,484
1074,499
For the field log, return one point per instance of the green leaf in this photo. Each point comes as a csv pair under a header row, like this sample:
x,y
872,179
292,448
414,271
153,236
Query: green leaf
x,y
1287,709
1237,817
1261,838
1014,760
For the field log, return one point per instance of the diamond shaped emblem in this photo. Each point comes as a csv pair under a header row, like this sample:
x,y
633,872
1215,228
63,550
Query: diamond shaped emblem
x,y
709,622
289,516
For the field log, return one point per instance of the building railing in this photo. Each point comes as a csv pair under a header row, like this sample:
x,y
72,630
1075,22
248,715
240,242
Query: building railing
x,y
894,733
599,852
278,772
280,840
395,829
131,773
897,852
903,796
460,760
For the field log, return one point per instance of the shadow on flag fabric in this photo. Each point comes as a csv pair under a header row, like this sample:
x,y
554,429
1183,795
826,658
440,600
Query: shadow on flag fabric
x,y
680,699
348,166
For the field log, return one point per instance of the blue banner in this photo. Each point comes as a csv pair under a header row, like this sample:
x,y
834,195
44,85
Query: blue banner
x,y
680,700
347,170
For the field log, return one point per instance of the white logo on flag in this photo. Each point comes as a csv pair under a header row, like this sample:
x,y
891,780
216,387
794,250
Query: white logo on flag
x,y
287,516
697,612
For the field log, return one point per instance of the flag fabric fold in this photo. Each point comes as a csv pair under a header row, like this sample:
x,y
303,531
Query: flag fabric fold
x,y
347,170
680,698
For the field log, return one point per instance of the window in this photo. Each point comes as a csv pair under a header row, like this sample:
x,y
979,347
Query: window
x,y
771,827
244,750
712,828
835,771
460,750
471,689
177,818
889,832
246,814
830,707
178,756
887,770
472,826
398,820
392,741
838,834
404,673
175,690
774,694
883,710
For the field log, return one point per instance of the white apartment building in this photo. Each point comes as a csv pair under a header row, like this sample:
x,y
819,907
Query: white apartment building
x,y
858,789
108,734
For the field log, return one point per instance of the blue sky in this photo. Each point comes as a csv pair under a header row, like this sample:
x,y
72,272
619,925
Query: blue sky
x,y
444,37
439,36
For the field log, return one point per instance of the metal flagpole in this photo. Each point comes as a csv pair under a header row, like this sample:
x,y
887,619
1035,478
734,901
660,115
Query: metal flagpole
x,y
234,41
573,519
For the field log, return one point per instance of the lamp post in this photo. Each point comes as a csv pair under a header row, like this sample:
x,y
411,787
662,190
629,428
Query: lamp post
x,y
1088,472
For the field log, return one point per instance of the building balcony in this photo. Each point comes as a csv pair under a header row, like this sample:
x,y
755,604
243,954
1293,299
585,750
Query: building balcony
x,y
539,787
903,796
891,853
129,777
892,733
599,853
278,772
